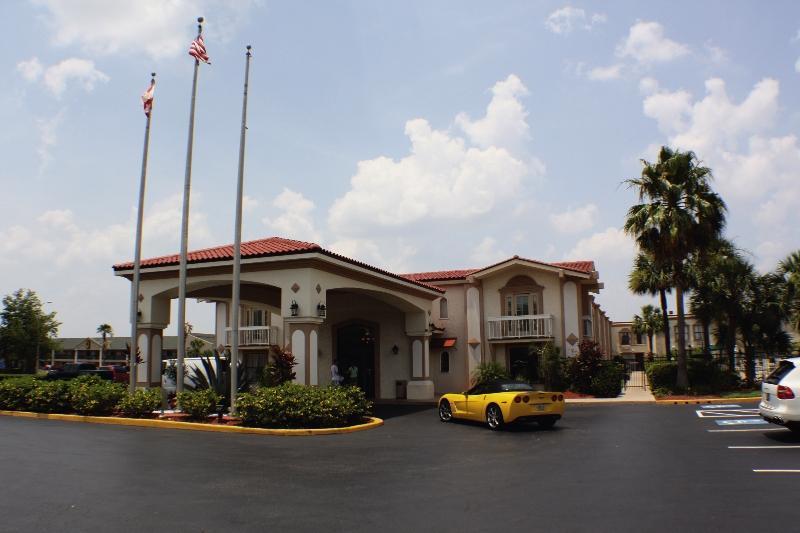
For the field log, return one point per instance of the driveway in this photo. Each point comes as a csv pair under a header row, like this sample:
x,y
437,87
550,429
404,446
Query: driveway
x,y
602,468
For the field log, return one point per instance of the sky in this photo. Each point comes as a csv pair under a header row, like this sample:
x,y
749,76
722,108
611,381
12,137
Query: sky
x,y
413,136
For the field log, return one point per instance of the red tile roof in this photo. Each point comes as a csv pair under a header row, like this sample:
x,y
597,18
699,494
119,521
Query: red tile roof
x,y
442,275
585,267
272,246
260,248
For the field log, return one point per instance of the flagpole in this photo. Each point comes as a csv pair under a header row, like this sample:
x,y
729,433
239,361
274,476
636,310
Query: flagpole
x,y
137,255
187,185
237,246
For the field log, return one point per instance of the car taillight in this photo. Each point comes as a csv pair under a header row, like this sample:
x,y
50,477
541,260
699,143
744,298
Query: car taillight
x,y
554,397
560,397
526,399
517,399
785,393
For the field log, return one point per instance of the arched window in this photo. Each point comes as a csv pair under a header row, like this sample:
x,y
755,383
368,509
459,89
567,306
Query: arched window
x,y
444,363
443,308
625,338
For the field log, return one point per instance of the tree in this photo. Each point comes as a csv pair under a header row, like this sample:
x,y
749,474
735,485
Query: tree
x,y
25,328
762,318
647,277
105,330
650,323
789,270
677,216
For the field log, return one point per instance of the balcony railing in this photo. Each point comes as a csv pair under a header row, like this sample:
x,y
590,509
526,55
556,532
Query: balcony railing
x,y
252,335
521,327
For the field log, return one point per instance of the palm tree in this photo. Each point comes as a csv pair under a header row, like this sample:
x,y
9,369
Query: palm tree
x,y
677,216
789,270
650,323
105,330
649,278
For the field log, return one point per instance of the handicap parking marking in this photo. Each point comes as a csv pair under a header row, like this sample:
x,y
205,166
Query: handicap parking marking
x,y
725,413
742,422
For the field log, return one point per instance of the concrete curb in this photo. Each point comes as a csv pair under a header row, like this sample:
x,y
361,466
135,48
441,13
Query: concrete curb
x,y
710,400
194,426
608,402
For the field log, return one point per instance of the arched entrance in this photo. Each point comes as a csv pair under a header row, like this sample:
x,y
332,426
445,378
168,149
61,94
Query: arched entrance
x,y
355,345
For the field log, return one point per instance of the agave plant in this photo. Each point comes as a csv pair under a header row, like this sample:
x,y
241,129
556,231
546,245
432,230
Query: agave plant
x,y
214,375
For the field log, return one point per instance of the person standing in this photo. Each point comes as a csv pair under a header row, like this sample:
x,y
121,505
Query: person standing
x,y
352,374
336,378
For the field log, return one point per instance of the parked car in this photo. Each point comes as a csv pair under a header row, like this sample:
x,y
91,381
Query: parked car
x,y
73,370
502,402
780,395
119,373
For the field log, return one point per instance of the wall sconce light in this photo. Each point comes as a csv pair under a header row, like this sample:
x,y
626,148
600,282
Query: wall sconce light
x,y
321,310
294,308
395,349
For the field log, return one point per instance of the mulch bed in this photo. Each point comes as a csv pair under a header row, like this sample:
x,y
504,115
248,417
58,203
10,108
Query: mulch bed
x,y
569,395
213,420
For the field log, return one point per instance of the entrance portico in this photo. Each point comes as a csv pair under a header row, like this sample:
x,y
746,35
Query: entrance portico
x,y
296,294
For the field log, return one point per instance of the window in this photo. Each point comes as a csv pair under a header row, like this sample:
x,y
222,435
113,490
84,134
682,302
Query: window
x,y
443,308
444,363
625,338
697,330
639,338
587,327
254,365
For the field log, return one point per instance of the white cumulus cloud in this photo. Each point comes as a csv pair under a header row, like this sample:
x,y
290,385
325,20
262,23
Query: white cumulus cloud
x,y
159,28
611,72
444,176
295,218
564,20
647,44
575,220
57,77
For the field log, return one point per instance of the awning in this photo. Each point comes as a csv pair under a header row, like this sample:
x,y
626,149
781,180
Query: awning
x,y
445,342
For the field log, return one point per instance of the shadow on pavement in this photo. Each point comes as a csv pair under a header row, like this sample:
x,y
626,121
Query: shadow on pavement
x,y
386,411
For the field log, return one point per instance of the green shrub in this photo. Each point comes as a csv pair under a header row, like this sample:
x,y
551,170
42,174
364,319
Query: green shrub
x,y
581,369
92,396
50,397
551,368
489,371
662,375
198,404
607,380
280,369
141,403
704,377
14,393
299,406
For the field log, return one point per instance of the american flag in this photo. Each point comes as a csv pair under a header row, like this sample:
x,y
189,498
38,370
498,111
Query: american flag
x,y
147,98
198,50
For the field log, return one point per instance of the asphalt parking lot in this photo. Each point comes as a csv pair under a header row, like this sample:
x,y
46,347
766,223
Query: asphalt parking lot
x,y
602,468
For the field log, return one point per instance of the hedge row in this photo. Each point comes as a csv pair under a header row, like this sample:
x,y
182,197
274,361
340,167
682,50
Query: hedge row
x,y
704,377
298,406
85,395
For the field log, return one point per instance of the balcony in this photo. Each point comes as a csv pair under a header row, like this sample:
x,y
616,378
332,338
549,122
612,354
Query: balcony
x,y
253,335
520,327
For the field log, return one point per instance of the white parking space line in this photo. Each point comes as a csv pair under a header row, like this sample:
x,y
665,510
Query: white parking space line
x,y
721,406
726,413
763,471
742,430
762,447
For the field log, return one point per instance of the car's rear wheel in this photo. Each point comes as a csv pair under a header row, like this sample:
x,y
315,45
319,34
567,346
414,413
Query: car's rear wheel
x,y
794,426
494,417
445,411
546,423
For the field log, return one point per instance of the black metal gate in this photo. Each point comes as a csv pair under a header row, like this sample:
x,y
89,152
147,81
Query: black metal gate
x,y
634,374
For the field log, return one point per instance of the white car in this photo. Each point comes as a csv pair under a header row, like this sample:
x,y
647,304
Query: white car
x,y
780,395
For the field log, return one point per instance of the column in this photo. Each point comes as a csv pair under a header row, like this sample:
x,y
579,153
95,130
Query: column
x,y
303,333
150,345
420,387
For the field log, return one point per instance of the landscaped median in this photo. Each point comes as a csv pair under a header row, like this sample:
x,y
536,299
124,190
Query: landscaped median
x,y
287,409
369,423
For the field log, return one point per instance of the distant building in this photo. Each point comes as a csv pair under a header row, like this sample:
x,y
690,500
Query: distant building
x,y
91,350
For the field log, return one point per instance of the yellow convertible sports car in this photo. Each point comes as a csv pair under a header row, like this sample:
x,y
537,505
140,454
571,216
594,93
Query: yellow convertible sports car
x,y
502,402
